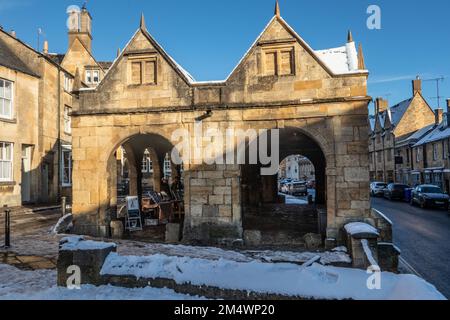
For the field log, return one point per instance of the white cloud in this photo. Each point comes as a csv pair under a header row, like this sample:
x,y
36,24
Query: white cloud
x,y
387,79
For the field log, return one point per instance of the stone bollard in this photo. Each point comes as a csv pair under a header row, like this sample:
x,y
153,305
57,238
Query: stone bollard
x,y
173,233
117,229
87,255
355,232
388,255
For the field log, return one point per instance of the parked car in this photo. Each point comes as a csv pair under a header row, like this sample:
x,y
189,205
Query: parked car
x,y
395,191
298,188
427,196
285,188
377,189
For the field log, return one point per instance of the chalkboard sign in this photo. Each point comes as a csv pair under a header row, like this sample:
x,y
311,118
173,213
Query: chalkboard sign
x,y
134,222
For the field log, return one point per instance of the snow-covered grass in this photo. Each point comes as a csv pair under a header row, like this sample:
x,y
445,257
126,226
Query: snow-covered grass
x,y
16,284
316,281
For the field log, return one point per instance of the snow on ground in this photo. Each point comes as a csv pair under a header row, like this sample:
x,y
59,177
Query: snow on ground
x,y
16,284
41,243
326,258
315,281
210,253
293,200
127,247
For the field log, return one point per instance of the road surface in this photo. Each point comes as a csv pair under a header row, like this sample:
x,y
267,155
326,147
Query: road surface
x,y
424,239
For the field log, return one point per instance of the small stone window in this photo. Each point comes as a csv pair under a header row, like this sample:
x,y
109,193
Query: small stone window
x,y
136,73
143,72
286,62
271,63
278,61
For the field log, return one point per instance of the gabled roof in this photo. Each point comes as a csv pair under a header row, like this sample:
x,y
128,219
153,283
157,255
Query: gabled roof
x,y
393,114
336,62
105,65
56,57
439,133
416,136
10,60
399,110
85,48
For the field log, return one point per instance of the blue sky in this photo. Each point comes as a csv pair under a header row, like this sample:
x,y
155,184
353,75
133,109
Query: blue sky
x,y
209,37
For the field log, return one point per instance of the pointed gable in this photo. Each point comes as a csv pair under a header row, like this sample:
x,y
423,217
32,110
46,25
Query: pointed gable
x,y
412,115
78,55
145,76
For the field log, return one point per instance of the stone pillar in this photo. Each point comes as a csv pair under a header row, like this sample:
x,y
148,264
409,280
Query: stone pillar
x,y
214,205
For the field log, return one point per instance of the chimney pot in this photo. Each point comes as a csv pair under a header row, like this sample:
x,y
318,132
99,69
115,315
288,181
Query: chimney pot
x,y
382,105
13,33
438,115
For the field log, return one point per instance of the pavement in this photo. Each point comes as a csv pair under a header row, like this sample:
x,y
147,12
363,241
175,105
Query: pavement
x,y
424,239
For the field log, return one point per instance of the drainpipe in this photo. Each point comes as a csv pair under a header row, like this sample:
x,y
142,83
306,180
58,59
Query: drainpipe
x,y
58,119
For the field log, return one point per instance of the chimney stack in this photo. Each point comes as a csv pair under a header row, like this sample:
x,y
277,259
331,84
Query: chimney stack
x,y
438,116
417,86
45,50
382,105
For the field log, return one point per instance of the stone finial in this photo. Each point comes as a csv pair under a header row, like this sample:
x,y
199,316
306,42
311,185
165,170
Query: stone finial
x,y
77,81
349,36
142,25
361,62
277,9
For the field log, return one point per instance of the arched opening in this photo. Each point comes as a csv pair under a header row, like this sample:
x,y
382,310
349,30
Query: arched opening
x,y
141,166
276,217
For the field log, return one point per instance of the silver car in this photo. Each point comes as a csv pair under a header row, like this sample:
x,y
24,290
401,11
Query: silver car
x,y
298,188
377,189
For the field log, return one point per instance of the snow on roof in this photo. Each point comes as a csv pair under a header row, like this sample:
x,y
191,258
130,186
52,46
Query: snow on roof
x,y
441,132
398,111
416,136
336,59
372,121
356,228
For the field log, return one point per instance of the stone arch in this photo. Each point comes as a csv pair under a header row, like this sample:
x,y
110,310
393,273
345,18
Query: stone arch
x,y
260,192
135,144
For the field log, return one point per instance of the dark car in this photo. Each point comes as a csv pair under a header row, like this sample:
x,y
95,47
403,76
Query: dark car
x,y
427,196
395,191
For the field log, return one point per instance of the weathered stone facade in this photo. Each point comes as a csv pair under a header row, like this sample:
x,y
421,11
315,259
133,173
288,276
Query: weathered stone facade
x,y
39,128
390,127
281,83
36,127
